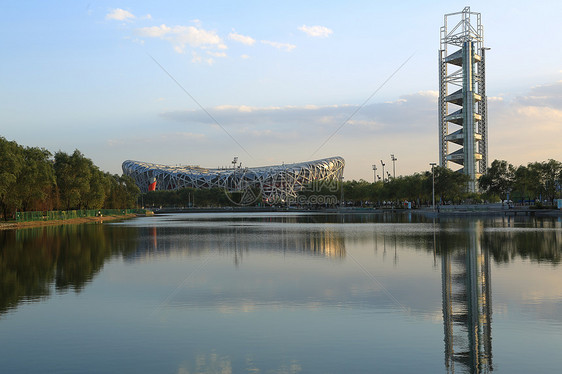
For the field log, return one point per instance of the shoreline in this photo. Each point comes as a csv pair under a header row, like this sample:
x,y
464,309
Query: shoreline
x,y
72,221
458,210
428,212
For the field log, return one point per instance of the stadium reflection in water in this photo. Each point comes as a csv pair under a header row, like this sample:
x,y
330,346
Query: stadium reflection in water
x,y
235,240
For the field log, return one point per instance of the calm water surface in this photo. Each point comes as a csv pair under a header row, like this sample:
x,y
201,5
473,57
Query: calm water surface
x,y
283,293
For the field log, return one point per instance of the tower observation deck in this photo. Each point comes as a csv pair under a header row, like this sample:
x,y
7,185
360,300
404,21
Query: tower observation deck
x,y
463,122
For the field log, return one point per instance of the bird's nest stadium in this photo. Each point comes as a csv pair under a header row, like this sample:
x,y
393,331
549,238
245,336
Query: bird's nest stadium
x,y
274,183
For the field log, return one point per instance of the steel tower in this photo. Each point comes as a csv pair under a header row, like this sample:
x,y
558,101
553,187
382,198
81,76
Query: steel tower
x,y
463,125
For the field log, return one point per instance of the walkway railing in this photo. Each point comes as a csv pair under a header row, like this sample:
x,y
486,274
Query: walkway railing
x,y
70,214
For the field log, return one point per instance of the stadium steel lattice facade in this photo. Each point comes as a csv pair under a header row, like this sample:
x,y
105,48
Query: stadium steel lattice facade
x,y
463,119
275,183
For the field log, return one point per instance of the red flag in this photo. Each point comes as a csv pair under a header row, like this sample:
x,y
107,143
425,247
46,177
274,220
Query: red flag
x,y
152,186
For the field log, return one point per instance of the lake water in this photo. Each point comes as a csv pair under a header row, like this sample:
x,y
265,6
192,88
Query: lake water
x,y
283,293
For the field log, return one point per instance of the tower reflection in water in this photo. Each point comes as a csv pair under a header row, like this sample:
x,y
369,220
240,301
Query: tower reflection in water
x,y
467,304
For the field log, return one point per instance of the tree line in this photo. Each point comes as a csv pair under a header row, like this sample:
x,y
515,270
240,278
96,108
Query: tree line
x,y
32,179
534,183
537,180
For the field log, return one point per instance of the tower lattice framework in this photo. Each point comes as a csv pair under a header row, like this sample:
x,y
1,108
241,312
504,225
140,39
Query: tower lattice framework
x,y
463,123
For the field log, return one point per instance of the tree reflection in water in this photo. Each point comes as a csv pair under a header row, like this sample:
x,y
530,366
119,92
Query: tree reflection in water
x,y
67,256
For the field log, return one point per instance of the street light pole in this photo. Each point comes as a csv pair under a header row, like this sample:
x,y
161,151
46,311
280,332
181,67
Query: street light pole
x,y
375,173
394,159
341,192
382,163
433,184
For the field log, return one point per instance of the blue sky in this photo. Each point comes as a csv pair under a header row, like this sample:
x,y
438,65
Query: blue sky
x,y
279,77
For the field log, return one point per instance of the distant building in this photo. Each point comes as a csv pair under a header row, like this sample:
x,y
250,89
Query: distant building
x,y
463,118
275,183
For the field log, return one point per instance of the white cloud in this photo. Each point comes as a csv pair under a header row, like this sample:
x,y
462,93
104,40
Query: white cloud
x,y
245,57
182,36
409,114
542,118
162,139
527,128
216,54
543,95
247,108
316,31
494,98
154,31
195,57
120,15
241,38
286,46
367,124
185,135
115,142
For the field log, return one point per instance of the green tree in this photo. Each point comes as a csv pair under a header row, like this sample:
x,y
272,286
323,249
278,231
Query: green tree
x,y
499,180
36,181
73,173
521,183
121,192
11,164
96,195
551,170
450,185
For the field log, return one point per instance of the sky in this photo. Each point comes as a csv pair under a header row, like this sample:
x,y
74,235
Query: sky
x,y
198,83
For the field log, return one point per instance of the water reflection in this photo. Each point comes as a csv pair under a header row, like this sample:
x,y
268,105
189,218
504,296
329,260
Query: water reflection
x,y
67,256
214,363
467,304
308,263
467,248
238,240
32,261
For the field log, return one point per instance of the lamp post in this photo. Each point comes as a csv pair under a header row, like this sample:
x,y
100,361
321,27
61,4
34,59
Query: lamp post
x,y
382,163
393,166
341,192
374,173
433,184
234,161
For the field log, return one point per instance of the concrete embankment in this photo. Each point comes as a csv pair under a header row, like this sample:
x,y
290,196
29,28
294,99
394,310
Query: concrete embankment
x,y
444,210
483,210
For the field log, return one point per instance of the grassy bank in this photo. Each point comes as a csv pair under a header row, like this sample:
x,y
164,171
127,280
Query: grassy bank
x,y
13,225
